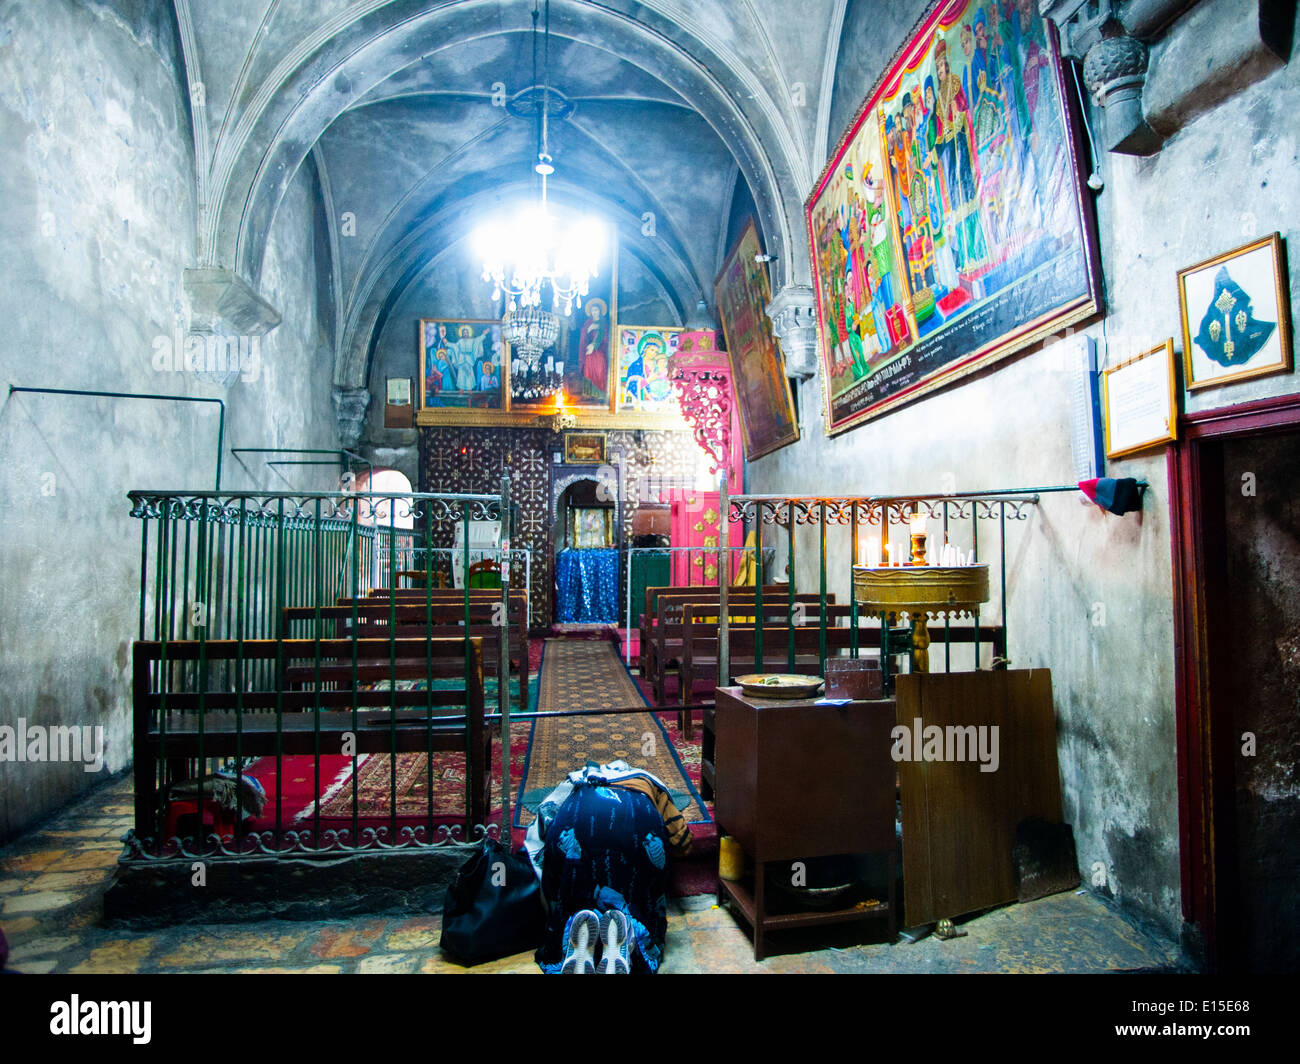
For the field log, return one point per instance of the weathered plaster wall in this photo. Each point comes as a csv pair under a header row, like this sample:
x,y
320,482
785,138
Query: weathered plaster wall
x,y
97,176
1089,595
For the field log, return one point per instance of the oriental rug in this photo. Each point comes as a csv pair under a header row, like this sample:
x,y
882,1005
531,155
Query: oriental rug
x,y
588,674
374,776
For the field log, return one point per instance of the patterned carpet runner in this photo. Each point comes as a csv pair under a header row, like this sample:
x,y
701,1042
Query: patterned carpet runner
x,y
587,674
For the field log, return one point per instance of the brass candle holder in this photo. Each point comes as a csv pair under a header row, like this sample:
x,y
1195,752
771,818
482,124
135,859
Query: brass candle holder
x,y
918,548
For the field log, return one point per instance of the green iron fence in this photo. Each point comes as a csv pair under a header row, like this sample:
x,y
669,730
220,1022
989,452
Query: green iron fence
x,y
954,519
280,684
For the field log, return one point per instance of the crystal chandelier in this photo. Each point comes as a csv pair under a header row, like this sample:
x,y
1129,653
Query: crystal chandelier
x,y
526,256
530,331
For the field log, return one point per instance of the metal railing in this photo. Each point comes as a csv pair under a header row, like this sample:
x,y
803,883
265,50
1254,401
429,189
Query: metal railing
x,y
693,554
409,558
265,633
956,519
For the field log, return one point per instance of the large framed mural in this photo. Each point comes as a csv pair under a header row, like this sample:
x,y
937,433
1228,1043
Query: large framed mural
x,y
742,291
950,228
644,382
463,365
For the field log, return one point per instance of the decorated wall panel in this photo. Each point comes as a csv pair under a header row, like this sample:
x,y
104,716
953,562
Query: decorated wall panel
x,y
474,459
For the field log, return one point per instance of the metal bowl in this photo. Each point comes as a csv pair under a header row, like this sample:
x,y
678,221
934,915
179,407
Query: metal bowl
x,y
779,685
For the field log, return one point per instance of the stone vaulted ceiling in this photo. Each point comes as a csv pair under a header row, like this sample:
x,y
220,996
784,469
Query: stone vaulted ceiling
x,y
392,103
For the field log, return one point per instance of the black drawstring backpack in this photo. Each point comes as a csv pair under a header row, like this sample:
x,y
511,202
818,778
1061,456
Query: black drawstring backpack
x,y
494,908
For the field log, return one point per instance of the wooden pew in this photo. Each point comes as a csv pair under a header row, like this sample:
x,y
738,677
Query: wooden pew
x,y
420,619
647,622
700,649
176,726
700,636
664,639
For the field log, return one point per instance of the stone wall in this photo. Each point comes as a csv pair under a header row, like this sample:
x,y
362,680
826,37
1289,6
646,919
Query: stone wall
x,y
97,174
1089,595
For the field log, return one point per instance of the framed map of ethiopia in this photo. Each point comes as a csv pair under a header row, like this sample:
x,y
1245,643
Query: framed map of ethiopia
x,y
950,229
743,292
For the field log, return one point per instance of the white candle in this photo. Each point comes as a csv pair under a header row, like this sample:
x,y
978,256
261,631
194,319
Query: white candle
x,y
873,554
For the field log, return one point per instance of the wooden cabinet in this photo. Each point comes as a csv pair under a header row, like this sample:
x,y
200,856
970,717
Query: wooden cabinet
x,y
795,781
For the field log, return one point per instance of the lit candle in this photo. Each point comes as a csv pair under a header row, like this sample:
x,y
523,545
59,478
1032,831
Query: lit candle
x,y
873,554
919,524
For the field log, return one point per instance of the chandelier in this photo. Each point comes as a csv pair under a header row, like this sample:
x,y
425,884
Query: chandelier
x,y
530,331
526,258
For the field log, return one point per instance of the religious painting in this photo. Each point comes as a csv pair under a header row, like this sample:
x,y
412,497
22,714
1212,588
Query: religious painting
x,y
585,448
1236,315
461,364
644,381
591,526
949,229
584,348
743,292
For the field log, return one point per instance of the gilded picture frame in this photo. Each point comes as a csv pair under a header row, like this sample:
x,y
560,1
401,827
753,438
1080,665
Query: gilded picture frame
x,y
1239,304
1140,402
464,367
950,229
742,291
584,448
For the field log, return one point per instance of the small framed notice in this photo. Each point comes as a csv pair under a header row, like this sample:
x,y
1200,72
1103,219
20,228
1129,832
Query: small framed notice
x,y
399,391
1140,402
399,412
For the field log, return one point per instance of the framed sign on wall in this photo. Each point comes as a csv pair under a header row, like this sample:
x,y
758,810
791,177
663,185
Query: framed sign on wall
x,y
1140,402
1236,315
949,229
742,291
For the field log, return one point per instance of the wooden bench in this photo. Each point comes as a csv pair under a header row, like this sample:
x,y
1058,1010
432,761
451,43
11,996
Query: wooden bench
x,y
661,642
375,619
176,726
700,636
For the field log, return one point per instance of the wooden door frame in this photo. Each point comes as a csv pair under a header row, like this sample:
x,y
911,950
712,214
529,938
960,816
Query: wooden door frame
x,y
1202,680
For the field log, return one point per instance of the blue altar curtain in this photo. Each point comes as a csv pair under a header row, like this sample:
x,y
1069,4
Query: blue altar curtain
x,y
586,583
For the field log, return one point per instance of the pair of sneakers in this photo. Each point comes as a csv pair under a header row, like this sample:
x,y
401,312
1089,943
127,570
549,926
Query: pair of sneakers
x,y
588,929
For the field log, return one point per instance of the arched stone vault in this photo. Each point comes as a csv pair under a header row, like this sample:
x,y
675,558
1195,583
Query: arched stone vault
x,y
310,69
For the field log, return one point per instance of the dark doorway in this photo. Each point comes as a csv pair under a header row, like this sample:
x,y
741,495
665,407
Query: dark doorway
x,y
1236,552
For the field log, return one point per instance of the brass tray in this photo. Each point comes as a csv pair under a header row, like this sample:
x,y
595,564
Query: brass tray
x,y
779,685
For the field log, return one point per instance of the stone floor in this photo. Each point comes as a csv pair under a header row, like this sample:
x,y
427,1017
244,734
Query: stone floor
x,y
52,882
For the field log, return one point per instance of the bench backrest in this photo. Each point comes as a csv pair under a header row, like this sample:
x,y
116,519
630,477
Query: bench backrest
x,y
163,673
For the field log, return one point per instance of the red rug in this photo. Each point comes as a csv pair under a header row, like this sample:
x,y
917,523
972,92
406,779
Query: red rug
x,y
374,804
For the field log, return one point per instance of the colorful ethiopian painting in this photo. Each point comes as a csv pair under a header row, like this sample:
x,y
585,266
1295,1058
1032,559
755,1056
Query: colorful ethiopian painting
x,y
743,292
949,229
584,348
644,383
460,364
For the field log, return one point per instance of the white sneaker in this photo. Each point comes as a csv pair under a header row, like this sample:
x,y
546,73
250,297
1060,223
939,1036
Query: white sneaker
x,y
579,950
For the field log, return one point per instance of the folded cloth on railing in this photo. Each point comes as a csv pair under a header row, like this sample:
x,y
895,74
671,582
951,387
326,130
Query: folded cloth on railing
x,y
248,796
